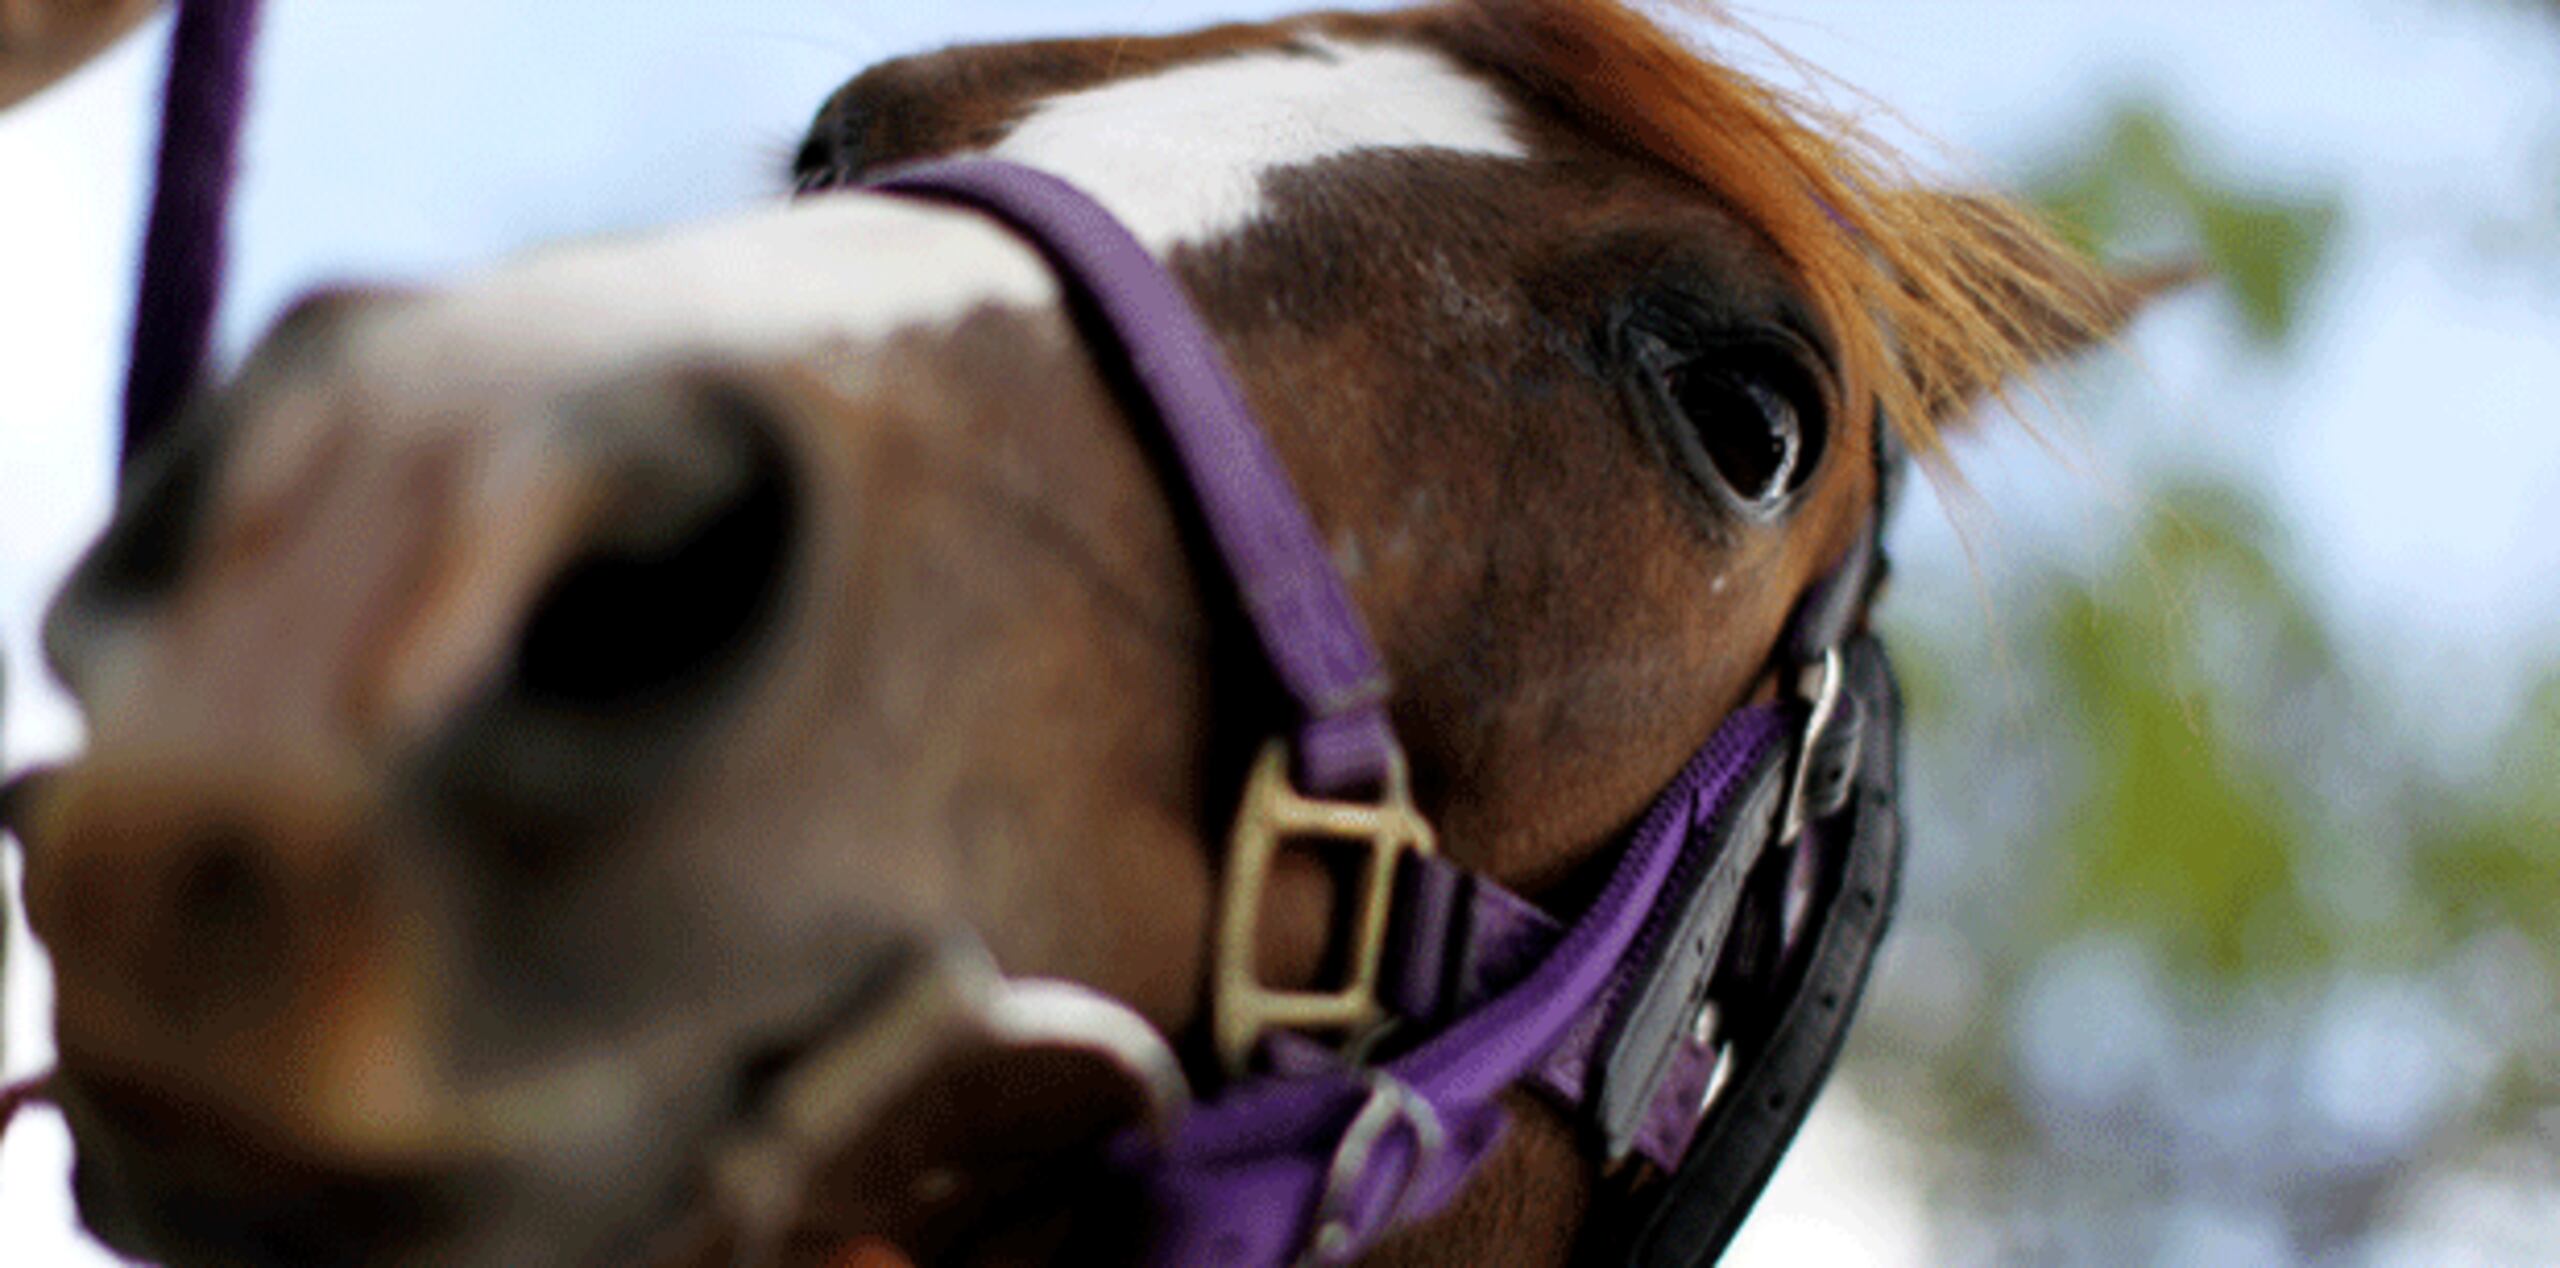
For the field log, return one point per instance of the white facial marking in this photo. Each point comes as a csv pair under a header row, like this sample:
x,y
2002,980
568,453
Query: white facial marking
x,y
1180,155
778,280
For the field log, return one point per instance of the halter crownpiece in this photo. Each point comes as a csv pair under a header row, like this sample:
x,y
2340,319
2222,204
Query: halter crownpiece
x,y
1685,1017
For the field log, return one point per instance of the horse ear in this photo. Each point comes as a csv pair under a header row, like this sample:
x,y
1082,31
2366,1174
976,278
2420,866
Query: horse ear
x,y
2047,299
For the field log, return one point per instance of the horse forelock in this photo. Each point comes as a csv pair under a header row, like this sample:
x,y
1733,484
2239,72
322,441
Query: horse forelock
x,y
1933,300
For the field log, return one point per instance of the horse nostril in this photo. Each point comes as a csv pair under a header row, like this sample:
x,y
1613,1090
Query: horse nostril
x,y
220,885
655,623
688,564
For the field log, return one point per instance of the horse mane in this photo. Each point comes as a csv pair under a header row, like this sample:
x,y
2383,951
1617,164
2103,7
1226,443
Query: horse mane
x,y
1934,299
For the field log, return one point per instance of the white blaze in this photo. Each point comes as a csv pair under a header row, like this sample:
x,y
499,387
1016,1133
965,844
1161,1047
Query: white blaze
x,y
1180,155
812,273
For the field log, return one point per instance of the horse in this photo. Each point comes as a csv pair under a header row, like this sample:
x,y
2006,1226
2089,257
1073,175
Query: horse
x,y
535,721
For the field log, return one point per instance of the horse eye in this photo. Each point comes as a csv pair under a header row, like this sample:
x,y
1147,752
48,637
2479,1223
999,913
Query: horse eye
x,y
1749,430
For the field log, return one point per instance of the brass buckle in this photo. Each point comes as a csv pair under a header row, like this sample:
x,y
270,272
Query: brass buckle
x,y
1271,815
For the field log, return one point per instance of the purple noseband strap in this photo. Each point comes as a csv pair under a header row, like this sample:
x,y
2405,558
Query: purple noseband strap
x,y
1267,1169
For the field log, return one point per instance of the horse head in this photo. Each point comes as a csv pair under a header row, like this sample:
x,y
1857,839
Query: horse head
x,y
532,719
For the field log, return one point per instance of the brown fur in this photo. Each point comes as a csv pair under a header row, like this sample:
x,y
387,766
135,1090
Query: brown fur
x,y
1000,690
43,40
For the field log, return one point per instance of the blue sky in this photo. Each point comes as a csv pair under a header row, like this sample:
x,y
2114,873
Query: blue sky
x,y
2412,444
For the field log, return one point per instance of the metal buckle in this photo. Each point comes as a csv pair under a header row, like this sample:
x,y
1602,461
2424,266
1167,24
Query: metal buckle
x,y
1391,1103
1272,814
1820,686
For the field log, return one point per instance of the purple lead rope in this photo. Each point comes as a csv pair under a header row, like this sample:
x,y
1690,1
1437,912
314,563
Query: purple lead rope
x,y
183,251
182,254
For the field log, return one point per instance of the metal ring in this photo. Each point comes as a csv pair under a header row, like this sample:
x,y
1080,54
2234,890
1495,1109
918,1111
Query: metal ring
x,y
1391,1103
1820,687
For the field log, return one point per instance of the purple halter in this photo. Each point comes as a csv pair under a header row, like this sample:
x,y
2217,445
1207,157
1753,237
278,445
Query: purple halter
x,y
1611,1015
1685,1017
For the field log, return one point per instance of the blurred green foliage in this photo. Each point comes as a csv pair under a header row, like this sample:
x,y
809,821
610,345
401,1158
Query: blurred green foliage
x,y
2140,173
2174,797
2179,830
2188,730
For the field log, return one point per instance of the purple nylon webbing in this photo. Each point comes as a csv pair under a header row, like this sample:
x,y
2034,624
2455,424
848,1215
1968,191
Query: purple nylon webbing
x,y
183,251
1310,633
1239,1183
1461,939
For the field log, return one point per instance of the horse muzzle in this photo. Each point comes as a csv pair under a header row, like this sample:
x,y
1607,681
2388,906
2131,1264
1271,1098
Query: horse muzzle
x,y
170,1180
923,1123
912,1111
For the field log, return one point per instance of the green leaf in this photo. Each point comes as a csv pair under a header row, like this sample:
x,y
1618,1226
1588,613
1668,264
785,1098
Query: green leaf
x,y
2135,190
